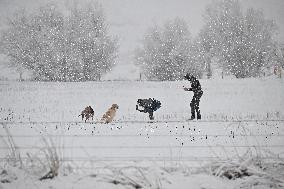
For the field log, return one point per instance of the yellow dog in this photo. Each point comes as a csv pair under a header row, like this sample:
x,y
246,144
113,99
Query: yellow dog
x,y
109,115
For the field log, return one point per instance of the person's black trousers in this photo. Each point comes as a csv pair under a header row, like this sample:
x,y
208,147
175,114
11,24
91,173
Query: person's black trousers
x,y
194,105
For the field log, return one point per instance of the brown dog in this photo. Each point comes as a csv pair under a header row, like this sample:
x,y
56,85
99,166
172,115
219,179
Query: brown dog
x,y
109,115
87,113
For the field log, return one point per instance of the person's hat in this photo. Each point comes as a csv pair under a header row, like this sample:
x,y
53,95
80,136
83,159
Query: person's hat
x,y
188,76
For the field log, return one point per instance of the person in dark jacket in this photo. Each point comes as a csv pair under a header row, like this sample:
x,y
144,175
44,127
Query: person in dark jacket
x,y
150,106
197,93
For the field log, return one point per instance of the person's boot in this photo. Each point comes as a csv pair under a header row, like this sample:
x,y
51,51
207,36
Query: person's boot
x,y
198,115
192,116
192,111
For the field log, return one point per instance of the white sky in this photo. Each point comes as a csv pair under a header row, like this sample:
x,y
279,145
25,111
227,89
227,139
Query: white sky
x,y
129,19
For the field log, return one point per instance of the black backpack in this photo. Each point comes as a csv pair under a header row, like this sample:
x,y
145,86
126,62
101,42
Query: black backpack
x,y
156,104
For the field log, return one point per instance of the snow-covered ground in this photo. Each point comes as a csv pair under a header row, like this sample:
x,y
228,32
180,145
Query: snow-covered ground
x,y
242,124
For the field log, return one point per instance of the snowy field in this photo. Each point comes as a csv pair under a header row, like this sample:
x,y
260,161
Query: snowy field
x,y
242,121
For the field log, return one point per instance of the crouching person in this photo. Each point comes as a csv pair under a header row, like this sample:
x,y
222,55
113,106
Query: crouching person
x,y
148,106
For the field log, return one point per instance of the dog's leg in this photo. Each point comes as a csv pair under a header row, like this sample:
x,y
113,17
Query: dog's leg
x,y
103,119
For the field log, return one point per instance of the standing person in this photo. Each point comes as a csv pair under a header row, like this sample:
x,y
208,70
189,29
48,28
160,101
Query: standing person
x,y
197,93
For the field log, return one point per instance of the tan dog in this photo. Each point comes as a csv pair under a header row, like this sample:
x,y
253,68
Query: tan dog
x,y
109,115
87,113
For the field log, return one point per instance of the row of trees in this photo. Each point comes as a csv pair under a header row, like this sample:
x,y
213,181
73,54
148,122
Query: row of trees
x,y
241,41
56,47
77,46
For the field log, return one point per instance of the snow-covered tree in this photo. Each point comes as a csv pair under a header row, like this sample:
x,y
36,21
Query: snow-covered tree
x,y
241,40
281,55
31,41
58,48
165,53
87,34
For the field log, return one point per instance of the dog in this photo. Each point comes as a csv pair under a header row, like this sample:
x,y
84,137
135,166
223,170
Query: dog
x,y
109,115
87,113
149,106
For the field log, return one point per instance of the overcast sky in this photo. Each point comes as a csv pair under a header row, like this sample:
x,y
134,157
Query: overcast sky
x,y
129,19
